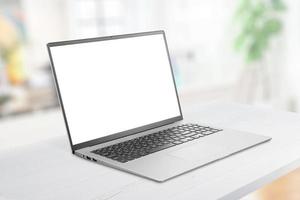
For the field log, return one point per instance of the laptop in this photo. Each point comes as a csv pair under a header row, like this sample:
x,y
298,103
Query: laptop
x,y
121,108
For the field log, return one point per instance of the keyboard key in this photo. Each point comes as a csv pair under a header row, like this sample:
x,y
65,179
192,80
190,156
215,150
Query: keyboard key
x,y
177,142
197,136
190,134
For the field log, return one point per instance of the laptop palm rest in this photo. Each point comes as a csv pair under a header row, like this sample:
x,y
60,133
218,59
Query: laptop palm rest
x,y
218,146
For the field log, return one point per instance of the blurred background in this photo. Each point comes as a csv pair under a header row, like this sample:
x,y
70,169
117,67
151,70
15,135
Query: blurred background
x,y
244,51
238,51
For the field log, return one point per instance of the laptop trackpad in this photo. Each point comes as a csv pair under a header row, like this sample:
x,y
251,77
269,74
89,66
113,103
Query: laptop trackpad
x,y
205,152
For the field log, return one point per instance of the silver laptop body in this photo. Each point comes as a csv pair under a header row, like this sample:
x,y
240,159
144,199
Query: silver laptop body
x,y
117,92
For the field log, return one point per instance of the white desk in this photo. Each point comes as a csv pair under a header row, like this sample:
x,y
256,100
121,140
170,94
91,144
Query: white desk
x,y
47,170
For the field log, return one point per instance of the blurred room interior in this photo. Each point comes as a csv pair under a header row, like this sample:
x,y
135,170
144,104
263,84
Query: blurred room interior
x,y
242,51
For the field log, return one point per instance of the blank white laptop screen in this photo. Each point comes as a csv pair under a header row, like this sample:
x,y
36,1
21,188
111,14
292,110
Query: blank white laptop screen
x,y
114,85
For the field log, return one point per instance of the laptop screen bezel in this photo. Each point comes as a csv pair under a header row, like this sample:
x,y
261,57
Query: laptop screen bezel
x,y
125,133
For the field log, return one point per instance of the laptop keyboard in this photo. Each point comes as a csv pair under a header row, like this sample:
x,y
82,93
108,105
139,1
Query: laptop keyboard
x,y
144,145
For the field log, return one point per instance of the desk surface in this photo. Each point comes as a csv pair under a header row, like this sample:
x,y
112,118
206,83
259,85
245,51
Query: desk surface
x,y
47,169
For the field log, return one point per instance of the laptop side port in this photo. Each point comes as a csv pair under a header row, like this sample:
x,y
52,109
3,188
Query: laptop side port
x,y
89,158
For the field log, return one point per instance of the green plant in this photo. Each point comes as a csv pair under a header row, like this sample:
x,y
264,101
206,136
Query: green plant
x,y
259,21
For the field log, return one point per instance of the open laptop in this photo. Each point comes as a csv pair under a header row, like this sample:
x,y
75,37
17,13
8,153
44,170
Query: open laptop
x,y
121,108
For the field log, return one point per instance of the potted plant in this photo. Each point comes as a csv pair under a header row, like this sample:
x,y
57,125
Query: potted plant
x,y
259,21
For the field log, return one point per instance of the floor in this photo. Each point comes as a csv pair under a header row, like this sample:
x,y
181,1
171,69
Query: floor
x,y
286,187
